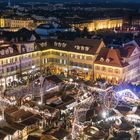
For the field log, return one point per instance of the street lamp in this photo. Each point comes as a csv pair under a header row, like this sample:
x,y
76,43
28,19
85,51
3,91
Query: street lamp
x,y
71,80
33,67
39,102
104,114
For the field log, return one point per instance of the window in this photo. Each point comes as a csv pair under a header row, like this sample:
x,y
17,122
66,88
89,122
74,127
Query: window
x,y
65,62
103,68
107,60
110,70
60,61
55,44
101,59
64,45
59,44
89,58
71,55
117,71
97,67
86,48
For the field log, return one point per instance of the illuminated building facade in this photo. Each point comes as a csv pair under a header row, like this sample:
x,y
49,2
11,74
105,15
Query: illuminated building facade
x,y
16,22
98,24
17,59
118,65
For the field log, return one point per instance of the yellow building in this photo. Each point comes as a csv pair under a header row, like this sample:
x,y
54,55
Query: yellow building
x,y
2,22
118,65
98,24
16,23
72,56
17,59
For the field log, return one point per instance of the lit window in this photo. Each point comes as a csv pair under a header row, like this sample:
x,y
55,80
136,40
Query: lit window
x,y
86,48
103,68
82,48
78,47
80,56
55,43
2,52
7,51
46,60
110,70
11,50
107,60
97,67
60,61
64,45
101,59
59,44
117,71
64,62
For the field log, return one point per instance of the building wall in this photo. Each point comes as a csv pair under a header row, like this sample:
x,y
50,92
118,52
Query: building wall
x,y
12,68
67,60
16,23
2,22
100,24
110,73
133,70
128,73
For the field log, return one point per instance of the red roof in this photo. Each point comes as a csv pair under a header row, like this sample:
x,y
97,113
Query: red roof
x,y
110,57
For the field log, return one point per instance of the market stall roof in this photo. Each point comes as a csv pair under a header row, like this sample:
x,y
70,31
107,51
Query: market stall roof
x,y
33,137
2,135
60,133
53,78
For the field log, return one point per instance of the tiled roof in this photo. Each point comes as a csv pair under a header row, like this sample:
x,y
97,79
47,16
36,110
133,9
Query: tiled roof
x,y
127,50
110,57
2,135
79,45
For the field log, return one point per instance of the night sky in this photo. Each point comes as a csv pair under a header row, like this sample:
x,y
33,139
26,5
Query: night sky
x,y
15,1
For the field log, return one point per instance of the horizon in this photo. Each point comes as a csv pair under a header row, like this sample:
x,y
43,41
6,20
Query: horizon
x,y
81,1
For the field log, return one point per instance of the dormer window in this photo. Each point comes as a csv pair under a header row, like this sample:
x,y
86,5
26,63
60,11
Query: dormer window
x,y
2,52
55,44
107,60
23,49
64,45
123,60
82,48
102,59
7,51
44,44
59,44
11,50
86,48
78,47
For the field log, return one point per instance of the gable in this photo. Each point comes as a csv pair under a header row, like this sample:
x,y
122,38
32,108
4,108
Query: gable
x,y
136,51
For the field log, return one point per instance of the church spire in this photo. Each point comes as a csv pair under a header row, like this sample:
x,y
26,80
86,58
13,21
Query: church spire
x,y
9,3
